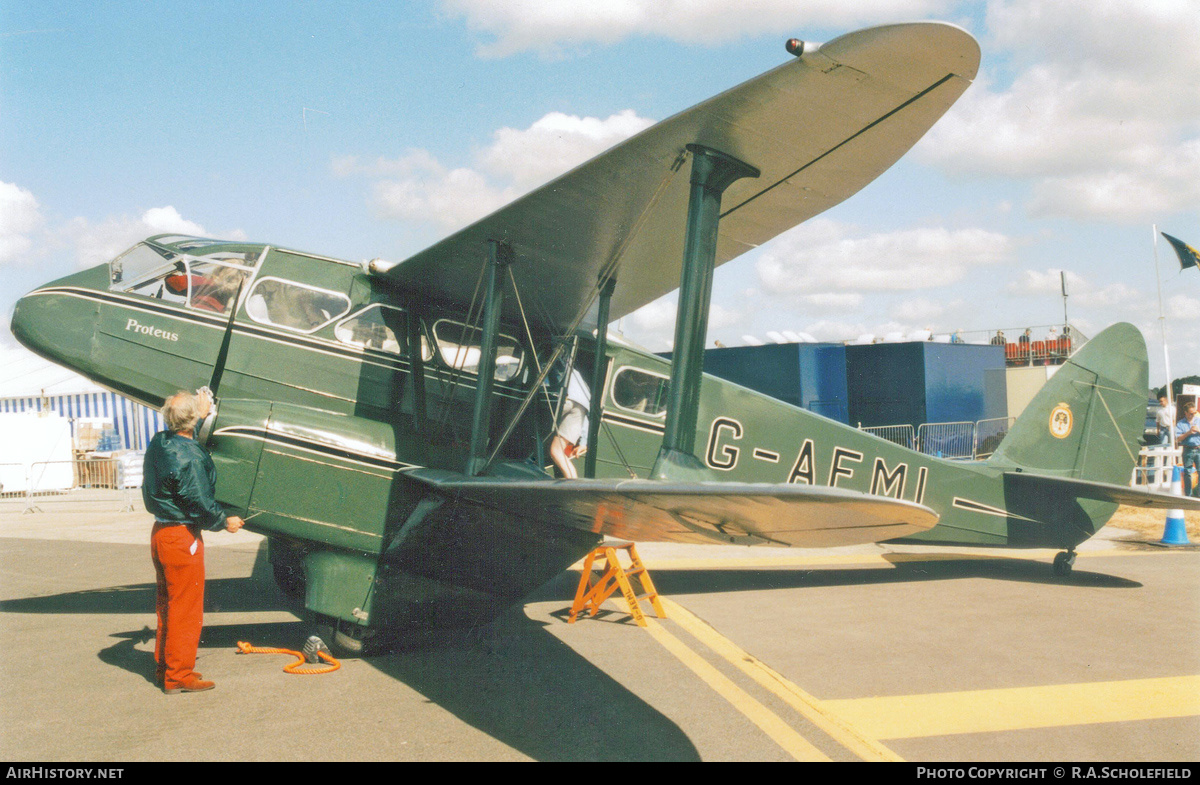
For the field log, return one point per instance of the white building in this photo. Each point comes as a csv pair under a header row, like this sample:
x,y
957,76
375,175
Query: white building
x,y
29,384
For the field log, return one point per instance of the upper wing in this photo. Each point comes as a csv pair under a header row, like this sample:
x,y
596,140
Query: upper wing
x,y
819,128
730,512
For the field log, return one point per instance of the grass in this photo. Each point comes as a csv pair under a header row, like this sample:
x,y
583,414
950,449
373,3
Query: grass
x,y
1150,523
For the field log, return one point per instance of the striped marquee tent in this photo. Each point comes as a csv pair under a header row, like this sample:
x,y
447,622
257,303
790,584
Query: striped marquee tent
x,y
30,384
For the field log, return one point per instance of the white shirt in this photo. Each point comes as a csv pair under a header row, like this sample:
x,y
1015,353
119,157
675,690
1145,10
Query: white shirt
x,y
577,390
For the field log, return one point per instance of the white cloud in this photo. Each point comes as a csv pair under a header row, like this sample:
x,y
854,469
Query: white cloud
x,y
656,316
1163,180
1080,291
20,217
1148,39
412,163
1035,283
832,301
553,26
96,243
1114,296
450,198
654,323
921,310
167,219
822,256
660,315
1181,306
418,187
1101,113
556,144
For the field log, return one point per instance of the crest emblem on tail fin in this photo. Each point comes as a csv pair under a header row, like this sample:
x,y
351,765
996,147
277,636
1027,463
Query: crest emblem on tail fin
x,y
1061,421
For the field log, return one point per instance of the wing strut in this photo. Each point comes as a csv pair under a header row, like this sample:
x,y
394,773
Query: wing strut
x,y
712,173
499,257
599,367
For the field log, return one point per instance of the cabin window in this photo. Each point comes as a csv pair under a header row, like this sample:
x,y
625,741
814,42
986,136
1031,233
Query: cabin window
x,y
137,268
459,347
207,282
640,391
210,286
382,328
294,306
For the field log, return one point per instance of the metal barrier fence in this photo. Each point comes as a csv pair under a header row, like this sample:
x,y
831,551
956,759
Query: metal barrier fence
x,y
955,440
14,484
92,484
1154,467
903,435
989,434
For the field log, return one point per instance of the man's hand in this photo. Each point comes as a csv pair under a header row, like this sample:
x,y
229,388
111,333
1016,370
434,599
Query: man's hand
x,y
204,398
233,523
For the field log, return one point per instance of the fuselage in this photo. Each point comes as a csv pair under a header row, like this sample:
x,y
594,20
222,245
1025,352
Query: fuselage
x,y
324,334
333,383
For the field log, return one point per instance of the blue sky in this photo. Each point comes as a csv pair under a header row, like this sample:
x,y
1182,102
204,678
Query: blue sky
x,y
365,130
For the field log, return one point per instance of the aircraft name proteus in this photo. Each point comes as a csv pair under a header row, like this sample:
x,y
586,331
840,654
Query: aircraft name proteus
x,y
145,329
722,454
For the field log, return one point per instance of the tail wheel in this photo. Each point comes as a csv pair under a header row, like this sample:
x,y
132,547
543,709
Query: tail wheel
x,y
1064,563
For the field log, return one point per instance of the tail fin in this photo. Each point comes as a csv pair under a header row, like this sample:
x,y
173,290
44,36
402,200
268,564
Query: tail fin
x,y
1087,420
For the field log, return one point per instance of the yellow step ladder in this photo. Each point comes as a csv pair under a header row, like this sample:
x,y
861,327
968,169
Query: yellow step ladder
x,y
592,591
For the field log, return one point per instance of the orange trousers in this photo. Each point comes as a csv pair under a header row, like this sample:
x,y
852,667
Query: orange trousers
x,y
180,603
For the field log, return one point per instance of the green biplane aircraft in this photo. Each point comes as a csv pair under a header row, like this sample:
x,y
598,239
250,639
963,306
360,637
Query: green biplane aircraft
x,y
385,425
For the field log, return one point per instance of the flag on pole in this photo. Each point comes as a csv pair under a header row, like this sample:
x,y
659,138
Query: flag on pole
x,y
1188,256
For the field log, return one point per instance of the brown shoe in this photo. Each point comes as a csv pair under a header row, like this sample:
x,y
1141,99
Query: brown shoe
x,y
195,685
161,676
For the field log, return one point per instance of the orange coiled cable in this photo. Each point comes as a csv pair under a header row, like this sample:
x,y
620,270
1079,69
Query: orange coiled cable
x,y
295,667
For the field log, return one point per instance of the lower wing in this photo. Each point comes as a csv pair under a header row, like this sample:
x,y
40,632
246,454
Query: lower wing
x,y
646,511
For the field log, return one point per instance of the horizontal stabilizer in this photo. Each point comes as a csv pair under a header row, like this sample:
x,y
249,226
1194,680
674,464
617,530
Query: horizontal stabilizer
x,y
1101,491
729,512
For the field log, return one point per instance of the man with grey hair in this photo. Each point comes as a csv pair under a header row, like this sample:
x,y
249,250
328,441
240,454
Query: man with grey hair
x,y
178,488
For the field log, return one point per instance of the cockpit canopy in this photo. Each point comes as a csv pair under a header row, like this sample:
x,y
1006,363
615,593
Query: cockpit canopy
x,y
200,273
207,275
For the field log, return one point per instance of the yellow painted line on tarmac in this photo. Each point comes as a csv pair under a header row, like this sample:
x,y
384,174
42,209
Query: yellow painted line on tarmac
x,y
838,728
770,723
1021,708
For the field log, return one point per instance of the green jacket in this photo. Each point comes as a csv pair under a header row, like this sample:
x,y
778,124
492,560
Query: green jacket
x,y
179,482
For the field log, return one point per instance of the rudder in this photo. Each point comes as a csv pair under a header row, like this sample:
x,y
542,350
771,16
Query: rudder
x,y
1087,420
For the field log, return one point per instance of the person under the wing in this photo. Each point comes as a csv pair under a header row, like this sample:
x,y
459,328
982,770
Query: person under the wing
x,y
570,438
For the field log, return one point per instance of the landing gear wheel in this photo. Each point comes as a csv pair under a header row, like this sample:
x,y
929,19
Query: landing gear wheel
x,y
1064,563
345,640
290,580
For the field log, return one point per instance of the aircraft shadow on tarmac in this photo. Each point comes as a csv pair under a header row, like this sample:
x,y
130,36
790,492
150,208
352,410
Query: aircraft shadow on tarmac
x,y
523,686
903,569
511,679
258,592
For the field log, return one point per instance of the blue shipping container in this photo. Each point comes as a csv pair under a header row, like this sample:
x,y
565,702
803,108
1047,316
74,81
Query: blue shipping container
x,y
808,375
923,382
